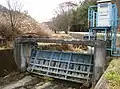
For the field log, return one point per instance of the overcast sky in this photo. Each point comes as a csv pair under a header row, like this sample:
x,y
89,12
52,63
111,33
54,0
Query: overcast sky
x,y
41,10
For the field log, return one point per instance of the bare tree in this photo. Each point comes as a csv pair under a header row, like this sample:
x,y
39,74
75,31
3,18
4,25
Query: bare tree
x,y
65,7
63,11
14,15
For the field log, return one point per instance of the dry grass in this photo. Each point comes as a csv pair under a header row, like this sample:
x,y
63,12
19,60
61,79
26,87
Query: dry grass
x,y
62,47
33,27
64,36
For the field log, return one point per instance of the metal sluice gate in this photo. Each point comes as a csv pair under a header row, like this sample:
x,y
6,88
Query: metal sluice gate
x,y
69,66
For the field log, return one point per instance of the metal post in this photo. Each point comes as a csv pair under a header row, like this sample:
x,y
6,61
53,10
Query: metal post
x,y
105,34
93,19
89,33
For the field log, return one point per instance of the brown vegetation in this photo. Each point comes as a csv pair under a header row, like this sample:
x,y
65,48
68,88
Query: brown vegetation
x,y
30,26
14,22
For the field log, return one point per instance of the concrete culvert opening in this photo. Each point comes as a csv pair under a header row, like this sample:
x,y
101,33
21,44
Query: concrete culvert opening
x,y
7,62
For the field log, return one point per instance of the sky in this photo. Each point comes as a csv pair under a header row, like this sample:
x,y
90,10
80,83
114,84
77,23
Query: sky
x,y
40,10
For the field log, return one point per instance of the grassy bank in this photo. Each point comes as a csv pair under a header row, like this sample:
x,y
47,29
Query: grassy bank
x,y
112,76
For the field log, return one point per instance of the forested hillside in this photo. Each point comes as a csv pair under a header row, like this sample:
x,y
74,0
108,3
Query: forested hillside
x,y
71,16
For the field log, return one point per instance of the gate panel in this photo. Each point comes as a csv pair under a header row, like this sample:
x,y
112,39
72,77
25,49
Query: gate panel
x,y
69,66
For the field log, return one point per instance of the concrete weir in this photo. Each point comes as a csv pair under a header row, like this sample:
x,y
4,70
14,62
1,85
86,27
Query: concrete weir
x,y
23,49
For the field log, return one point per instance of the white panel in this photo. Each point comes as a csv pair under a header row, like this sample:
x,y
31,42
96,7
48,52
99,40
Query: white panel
x,y
103,0
104,14
104,22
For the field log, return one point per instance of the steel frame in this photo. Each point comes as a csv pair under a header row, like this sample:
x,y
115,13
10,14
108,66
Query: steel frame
x,y
112,30
71,66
